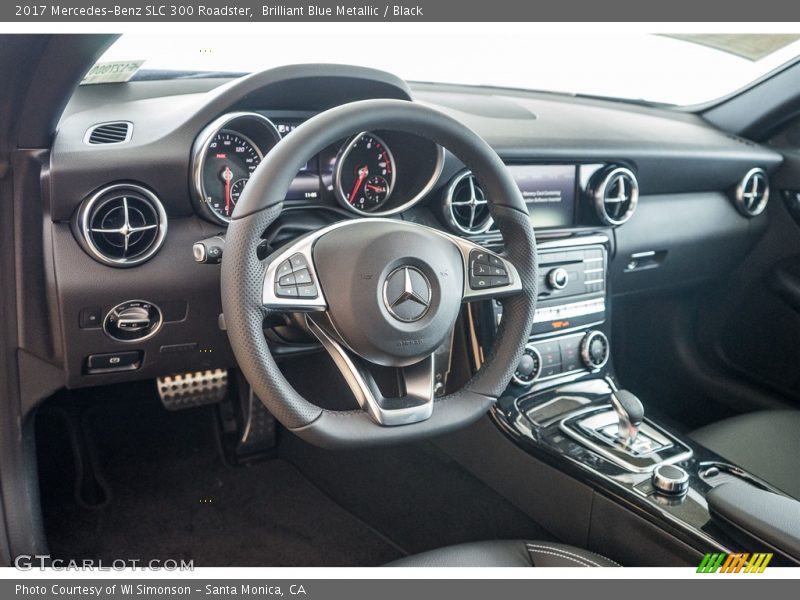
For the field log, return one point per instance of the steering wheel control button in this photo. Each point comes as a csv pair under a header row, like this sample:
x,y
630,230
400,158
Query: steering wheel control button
x,y
407,294
286,291
133,321
307,291
298,262
302,277
529,367
293,279
113,361
287,280
284,268
670,480
476,256
486,271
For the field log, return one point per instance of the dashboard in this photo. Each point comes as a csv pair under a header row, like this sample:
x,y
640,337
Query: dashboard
x,y
140,172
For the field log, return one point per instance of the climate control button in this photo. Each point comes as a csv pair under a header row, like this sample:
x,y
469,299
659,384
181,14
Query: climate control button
x,y
595,350
529,367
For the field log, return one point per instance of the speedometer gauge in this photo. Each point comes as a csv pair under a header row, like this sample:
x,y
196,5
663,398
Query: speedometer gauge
x,y
224,156
228,164
365,173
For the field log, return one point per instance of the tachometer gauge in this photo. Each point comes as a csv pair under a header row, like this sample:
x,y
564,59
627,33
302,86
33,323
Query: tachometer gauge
x,y
365,173
230,160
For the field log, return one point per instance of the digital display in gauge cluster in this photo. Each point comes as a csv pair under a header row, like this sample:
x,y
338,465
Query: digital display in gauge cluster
x,y
307,185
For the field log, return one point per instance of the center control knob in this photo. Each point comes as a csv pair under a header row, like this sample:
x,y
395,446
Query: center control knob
x,y
529,367
595,350
671,480
558,278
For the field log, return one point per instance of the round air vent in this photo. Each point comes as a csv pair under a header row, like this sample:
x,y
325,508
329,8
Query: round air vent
x,y
465,205
616,195
122,225
752,193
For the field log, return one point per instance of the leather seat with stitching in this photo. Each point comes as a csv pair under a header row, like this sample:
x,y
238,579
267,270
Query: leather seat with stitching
x,y
509,553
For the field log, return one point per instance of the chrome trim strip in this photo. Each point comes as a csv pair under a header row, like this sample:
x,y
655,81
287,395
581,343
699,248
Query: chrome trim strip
x,y
418,380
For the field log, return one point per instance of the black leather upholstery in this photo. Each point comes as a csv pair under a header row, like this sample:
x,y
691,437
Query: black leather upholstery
x,y
747,510
765,443
510,553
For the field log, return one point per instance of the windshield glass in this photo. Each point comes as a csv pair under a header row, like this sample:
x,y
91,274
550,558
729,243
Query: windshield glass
x,y
670,69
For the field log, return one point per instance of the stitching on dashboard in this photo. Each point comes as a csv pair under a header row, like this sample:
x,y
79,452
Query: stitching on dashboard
x,y
553,549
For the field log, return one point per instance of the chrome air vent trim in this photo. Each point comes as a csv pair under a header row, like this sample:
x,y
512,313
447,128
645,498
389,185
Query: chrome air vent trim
x,y
465,205
616,195
752,193
122,225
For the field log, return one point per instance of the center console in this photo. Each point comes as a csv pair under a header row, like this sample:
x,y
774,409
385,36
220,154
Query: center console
x,y
565,407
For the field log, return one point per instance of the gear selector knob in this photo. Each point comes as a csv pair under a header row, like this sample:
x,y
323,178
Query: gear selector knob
x,y
630,412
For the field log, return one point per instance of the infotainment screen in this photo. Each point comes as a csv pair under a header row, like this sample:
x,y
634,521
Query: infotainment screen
x,y
549,192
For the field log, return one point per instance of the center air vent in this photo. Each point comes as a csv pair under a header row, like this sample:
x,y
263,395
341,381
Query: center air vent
x,y
114,132
752,193
122,225
616,195
465,205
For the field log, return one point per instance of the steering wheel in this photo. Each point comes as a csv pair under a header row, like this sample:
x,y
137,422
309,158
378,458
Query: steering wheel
x,y
381,291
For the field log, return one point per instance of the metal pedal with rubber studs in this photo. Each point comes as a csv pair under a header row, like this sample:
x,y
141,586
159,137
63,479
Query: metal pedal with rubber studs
x,y
192,389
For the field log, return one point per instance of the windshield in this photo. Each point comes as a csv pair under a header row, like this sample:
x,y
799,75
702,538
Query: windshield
x,y
669,69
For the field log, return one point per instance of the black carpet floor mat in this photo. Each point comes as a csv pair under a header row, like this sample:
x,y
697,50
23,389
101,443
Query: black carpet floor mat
x,y
164,492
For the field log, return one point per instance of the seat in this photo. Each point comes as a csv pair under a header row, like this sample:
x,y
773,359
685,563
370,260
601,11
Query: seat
x,y
508,553
765,443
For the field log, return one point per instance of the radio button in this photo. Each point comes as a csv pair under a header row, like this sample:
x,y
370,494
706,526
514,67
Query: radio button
x,y
558,278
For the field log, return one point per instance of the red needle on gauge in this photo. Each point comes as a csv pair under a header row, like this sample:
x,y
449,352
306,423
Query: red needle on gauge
x,y
363,173
227,175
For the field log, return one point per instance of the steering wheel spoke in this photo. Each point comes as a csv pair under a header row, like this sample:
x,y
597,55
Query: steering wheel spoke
x,y
291,283
486,274
416,382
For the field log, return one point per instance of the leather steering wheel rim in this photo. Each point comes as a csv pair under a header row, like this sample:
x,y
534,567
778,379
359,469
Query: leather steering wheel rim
x,y
243,274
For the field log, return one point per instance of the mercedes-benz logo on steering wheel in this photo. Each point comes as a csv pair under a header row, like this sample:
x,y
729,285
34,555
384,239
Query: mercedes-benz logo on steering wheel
x,y
407,294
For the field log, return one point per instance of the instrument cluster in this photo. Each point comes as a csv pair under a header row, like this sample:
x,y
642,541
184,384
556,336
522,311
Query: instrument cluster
x,y
370,174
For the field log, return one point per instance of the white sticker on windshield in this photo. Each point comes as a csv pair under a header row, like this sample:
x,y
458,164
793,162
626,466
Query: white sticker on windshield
x,y
112,72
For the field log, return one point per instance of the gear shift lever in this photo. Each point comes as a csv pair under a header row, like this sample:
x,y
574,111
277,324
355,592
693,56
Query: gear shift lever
x,y
630,412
